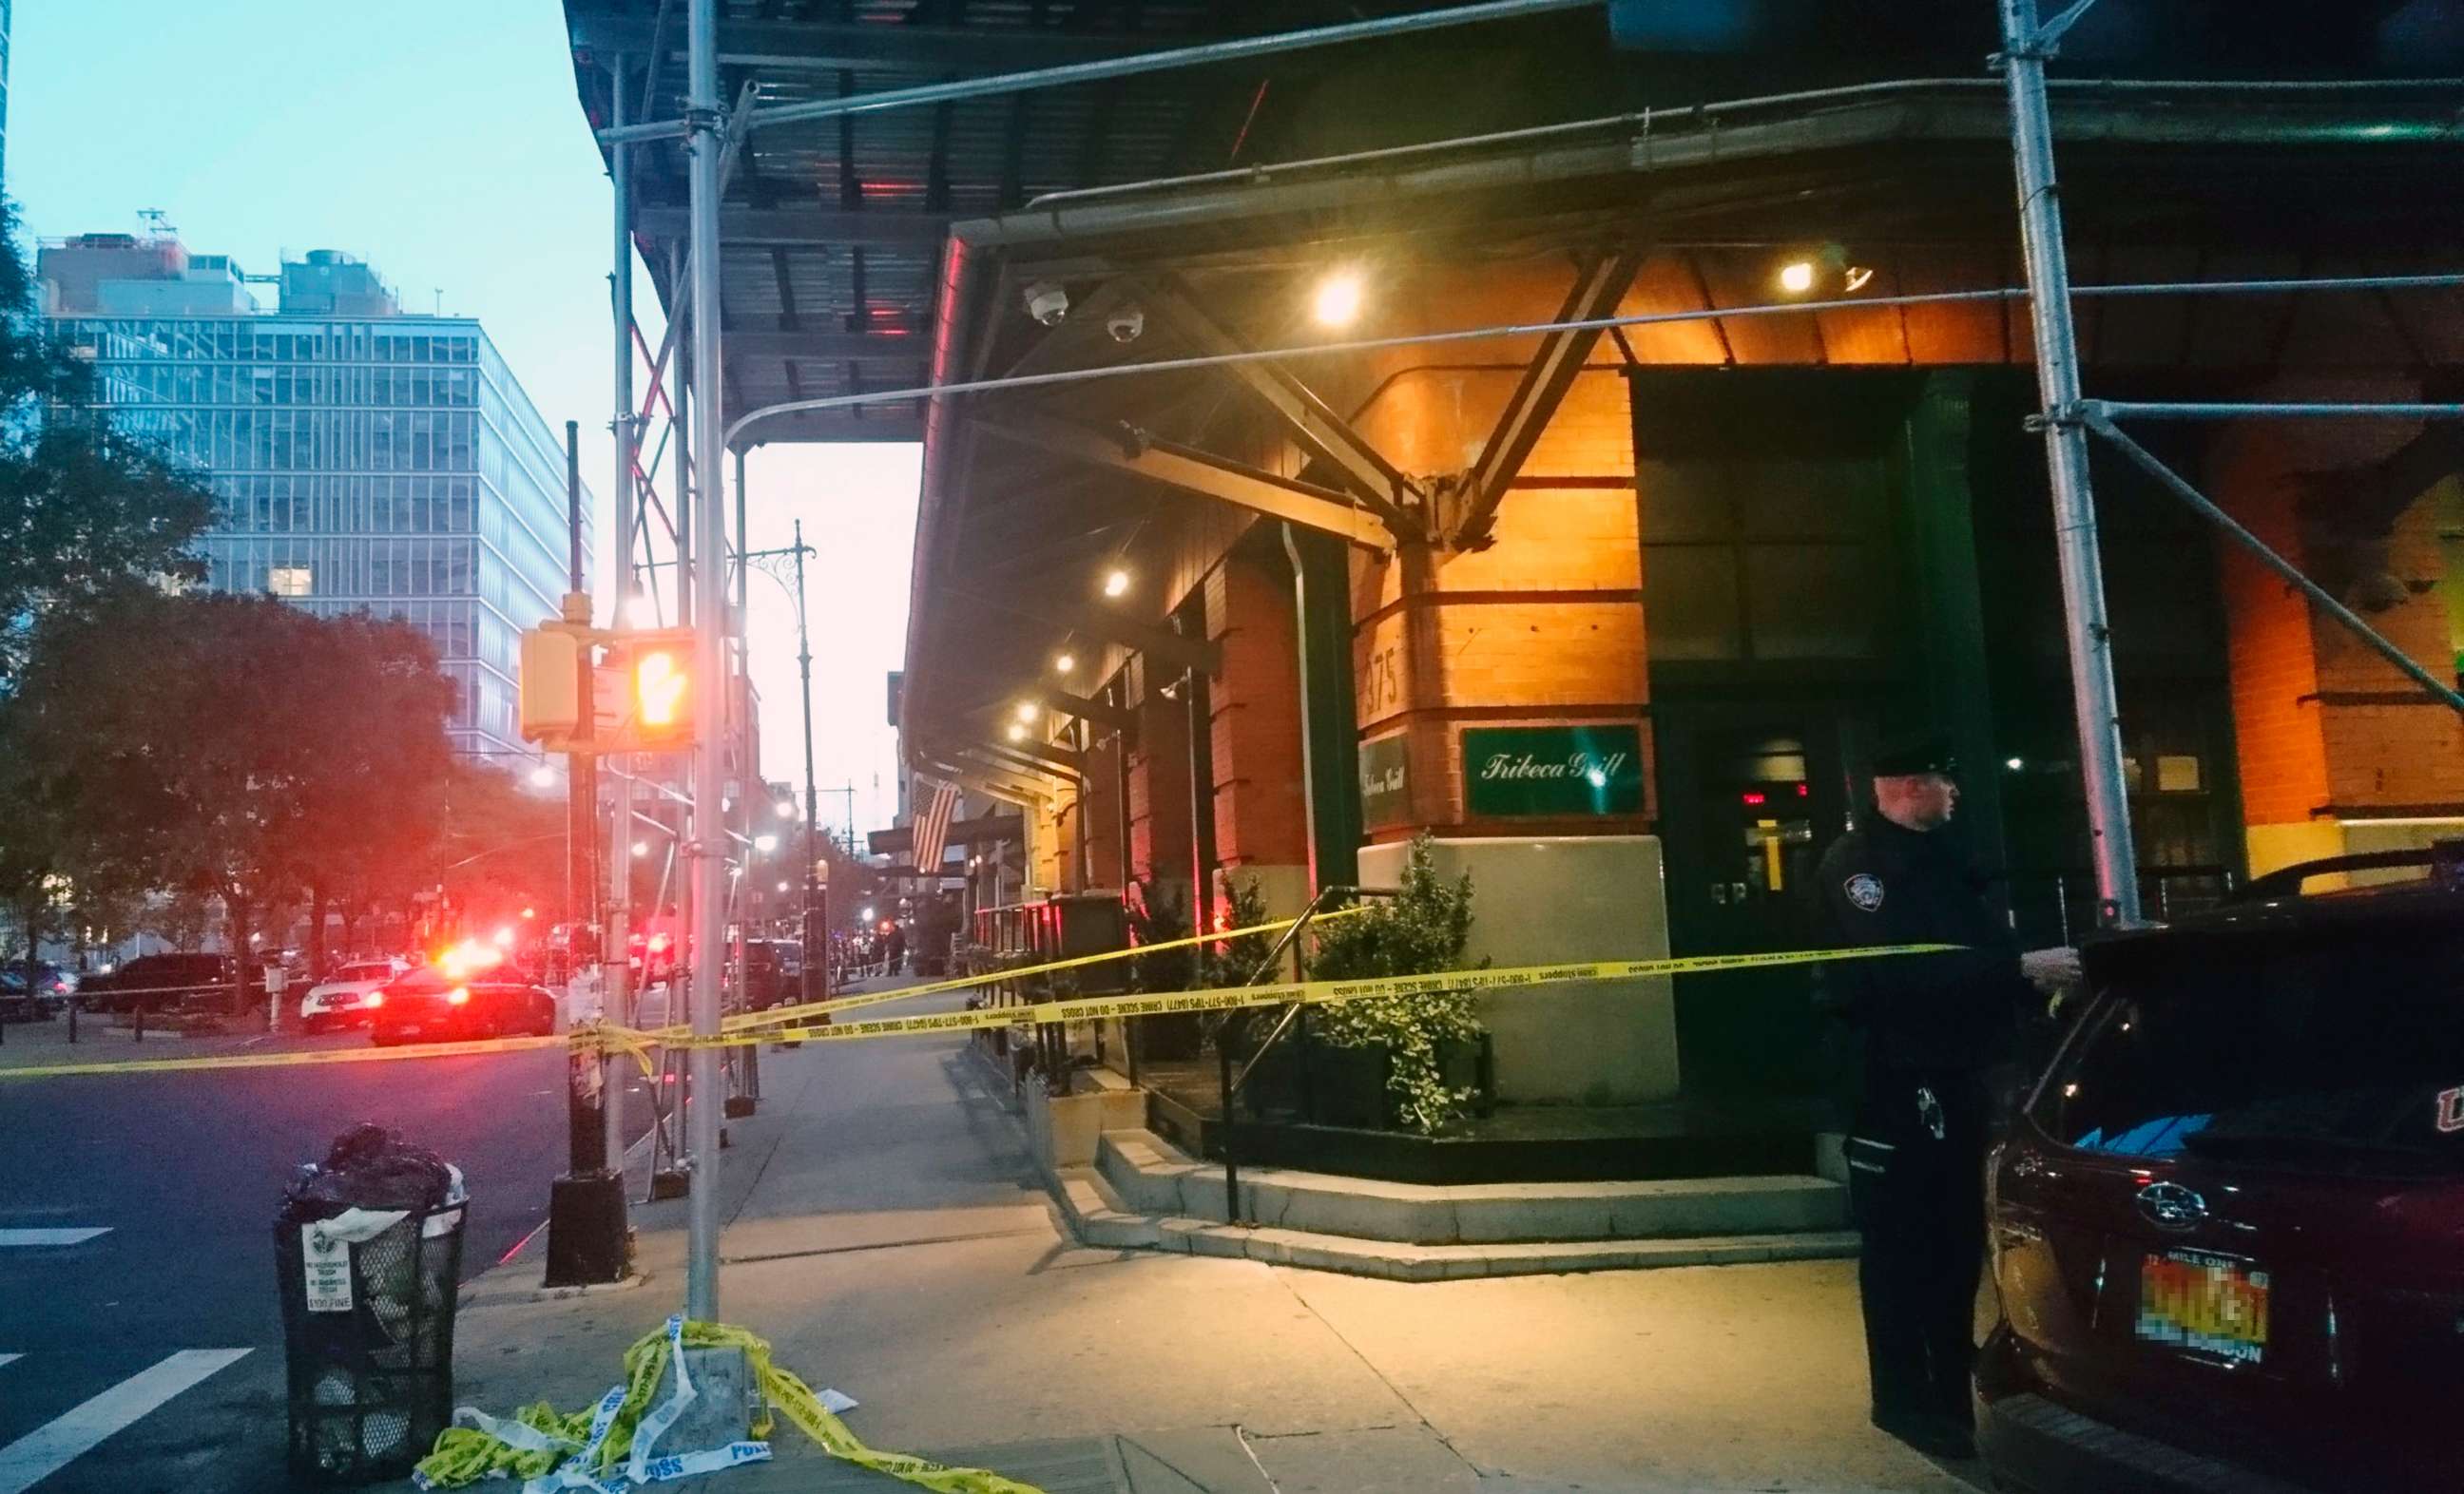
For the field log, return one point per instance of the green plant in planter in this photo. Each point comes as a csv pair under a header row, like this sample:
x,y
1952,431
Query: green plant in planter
x,y
1420,932
1236,962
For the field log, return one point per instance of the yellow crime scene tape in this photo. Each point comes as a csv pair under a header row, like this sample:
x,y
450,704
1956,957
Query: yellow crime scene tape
x,y
391,1055
600,1037
788,1016
1234,998
594,1449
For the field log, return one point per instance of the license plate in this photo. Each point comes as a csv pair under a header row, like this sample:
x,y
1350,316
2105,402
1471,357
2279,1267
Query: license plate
x,y
2204,1304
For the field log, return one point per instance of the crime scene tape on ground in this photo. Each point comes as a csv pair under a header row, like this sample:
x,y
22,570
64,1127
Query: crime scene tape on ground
x,y
1234,998
785,1015
291,1059
595,1449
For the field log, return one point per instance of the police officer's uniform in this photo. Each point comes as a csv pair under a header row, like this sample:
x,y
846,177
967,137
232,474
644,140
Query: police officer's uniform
x,y
1930,1027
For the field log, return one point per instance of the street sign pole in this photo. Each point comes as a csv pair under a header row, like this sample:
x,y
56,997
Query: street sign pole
x,y
2087,631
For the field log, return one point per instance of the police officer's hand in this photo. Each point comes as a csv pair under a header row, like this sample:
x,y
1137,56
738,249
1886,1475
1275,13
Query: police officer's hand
x,y
2053,970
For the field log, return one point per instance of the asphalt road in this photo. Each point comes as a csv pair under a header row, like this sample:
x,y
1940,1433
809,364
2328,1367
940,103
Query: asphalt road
x,y
129,1333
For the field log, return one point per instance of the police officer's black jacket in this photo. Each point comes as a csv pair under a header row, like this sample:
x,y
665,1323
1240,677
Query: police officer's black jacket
x,y
1881,884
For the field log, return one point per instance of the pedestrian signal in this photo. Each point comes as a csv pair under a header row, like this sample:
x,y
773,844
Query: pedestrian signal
x,y
657,671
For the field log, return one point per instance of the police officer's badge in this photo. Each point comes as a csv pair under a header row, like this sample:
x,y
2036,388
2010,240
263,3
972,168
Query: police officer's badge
x,y
1930,1111
1864,891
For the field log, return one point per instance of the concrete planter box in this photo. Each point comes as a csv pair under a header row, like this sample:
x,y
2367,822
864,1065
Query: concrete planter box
x,y
1065,1129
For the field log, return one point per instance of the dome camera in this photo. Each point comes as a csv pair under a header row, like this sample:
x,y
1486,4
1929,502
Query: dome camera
x,y
1048,302
1126,323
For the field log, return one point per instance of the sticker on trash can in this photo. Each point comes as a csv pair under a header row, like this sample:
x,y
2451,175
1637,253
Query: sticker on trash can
x,y
327,1263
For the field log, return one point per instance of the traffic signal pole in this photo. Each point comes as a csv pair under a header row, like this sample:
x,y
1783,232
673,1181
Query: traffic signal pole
x,y
816,922
705,140
616,975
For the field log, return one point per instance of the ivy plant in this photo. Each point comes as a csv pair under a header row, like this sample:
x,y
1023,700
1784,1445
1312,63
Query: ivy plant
x,y
1420,932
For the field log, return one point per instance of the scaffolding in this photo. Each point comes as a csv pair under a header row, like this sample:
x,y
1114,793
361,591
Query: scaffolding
x,y
2066,418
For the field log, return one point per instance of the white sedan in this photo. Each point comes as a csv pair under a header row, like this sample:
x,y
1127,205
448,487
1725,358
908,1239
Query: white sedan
x,y
344,999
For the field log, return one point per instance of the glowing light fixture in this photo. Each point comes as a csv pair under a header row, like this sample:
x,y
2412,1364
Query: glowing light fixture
x,y
543,777
765,843
1338,300
1116,583
786,809
2014,764
1016,732
1063,663
641,848
782,887
1797,276
1027,710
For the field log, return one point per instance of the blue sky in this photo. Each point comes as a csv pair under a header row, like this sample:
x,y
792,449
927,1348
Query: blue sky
x,y
443,144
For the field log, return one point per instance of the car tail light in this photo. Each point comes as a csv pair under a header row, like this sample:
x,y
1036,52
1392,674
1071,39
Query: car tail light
x,y
459,995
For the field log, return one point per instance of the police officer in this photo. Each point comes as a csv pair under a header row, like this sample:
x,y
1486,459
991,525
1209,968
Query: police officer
x,y
1930,1029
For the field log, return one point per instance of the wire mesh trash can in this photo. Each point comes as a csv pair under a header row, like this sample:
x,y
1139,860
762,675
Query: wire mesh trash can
x,y
368,1296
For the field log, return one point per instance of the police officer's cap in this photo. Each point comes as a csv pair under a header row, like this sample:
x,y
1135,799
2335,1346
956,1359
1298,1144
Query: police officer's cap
x,y
1902,757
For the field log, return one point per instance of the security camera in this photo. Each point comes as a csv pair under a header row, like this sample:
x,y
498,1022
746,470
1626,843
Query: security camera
x,y
1126,323
1048,302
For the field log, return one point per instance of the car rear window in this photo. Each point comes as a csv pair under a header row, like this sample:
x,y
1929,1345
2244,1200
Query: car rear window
x,y
2339,1050
368,973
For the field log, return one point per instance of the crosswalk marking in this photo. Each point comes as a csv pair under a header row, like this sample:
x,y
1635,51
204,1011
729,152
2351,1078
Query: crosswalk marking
x,y
51,1446
27,1238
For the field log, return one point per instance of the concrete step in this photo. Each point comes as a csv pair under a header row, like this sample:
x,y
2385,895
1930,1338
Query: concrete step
x,y
1094,1215
1149,1177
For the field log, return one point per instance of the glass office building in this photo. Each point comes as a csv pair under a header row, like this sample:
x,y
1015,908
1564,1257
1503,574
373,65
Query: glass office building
x,y
377,463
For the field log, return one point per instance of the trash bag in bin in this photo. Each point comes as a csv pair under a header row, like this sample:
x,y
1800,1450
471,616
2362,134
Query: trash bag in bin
x,y
367,1254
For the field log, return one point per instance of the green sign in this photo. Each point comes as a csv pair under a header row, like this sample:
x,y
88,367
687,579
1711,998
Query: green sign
x,y
1552,769
1385,781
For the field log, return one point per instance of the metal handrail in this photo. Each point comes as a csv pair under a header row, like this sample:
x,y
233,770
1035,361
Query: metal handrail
x,y
1229,1083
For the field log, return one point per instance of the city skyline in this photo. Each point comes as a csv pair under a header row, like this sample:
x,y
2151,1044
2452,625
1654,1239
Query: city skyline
x,y
455,170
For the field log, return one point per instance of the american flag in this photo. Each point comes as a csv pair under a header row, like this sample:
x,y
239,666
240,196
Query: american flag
x,y
932,823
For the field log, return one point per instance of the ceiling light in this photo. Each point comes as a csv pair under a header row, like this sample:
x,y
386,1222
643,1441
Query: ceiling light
x,y
1116,583
1027,710
1016,732
1797,276
1063,662
1337,301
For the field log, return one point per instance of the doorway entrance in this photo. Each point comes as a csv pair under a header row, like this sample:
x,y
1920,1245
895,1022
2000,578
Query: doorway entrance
x,y
1751,797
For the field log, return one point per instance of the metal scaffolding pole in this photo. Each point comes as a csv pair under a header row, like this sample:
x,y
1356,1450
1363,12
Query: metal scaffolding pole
x,y
1239,49
2319,596
705,139
2086,632
616,969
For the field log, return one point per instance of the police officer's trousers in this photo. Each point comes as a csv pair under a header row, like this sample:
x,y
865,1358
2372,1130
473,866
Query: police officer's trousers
x,y
1916,1181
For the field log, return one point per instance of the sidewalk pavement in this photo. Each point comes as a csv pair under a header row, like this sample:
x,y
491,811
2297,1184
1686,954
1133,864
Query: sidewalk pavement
x,y
887,1233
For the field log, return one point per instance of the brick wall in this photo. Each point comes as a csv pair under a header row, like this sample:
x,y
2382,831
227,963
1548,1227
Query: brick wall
x,y
1260,818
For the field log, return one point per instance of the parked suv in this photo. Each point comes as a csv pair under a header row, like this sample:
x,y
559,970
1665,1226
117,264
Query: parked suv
x,y
2228,1228
161,983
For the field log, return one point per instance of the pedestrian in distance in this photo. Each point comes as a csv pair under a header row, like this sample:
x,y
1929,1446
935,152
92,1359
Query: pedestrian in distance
x,y
1931,1030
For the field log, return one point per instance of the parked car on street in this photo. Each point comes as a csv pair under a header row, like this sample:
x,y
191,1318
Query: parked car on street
x,y
774,972
340,1000
35,989
161,983
429,1006
2228,1227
